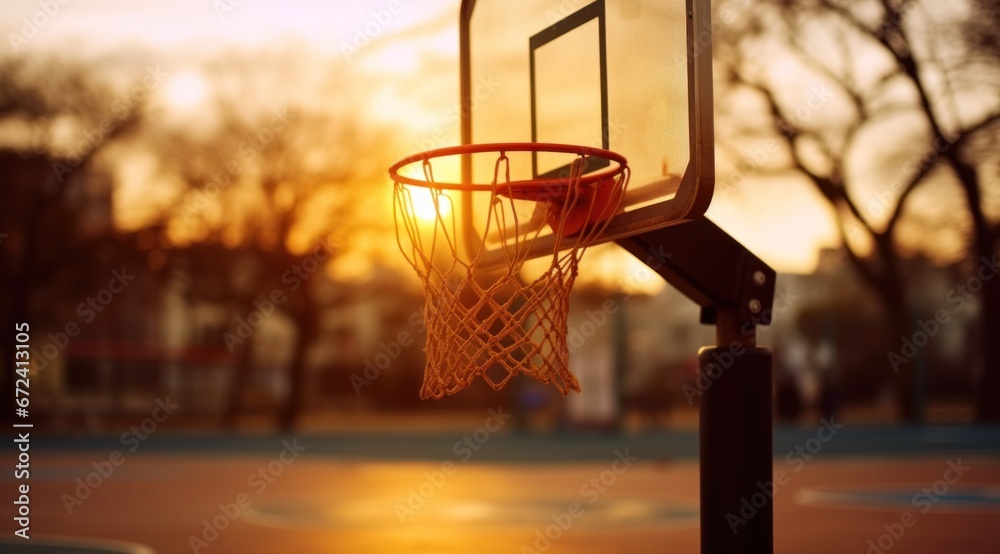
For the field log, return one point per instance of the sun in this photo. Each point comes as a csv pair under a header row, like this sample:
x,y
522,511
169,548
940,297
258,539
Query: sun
x,y
424,206
185,91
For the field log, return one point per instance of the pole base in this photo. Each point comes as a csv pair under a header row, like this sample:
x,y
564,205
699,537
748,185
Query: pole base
x,y
736,442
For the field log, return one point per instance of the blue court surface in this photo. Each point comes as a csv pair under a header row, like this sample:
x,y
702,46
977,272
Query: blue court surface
x,y
858,489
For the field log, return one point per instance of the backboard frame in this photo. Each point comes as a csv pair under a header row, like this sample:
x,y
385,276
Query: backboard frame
x,y
586,14
694,193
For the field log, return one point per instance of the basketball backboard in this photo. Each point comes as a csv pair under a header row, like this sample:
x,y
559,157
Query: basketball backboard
x,y
632,76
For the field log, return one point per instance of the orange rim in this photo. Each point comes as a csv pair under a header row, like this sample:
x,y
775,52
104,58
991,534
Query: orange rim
x,y
501,148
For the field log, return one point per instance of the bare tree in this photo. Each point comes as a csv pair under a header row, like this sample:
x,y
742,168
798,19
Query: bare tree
x,y
839,85
274,191
55,121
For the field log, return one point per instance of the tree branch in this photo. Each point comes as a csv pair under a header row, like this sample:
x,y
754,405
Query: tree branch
x,y
925,169
865,270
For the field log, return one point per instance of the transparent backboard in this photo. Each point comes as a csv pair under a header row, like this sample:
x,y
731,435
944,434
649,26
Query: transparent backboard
x,y
632,76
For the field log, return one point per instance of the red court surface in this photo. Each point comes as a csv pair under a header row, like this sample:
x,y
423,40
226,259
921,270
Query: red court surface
x,y
329,504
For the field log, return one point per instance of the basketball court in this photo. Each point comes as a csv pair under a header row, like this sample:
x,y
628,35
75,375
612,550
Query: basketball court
x,y
600,130
389,493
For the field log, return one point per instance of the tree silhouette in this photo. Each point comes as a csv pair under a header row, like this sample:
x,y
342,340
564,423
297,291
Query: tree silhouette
x,y
271,194
55,215
824,78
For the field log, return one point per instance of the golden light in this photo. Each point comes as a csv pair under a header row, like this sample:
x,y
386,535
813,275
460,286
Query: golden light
x,y
426,206
185,90
612,268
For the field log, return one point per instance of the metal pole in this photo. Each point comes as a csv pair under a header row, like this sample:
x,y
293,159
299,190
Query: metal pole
x,y
735,290
620,353
735,442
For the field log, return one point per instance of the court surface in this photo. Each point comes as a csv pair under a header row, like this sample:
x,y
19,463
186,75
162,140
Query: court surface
x,y
933,489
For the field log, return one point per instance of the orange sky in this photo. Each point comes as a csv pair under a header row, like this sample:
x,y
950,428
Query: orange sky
x,y
409,69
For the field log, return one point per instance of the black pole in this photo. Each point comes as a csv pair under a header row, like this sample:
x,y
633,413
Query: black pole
x,y
735,290
735,443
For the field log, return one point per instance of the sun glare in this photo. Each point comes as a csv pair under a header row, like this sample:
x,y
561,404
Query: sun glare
x,y
185,90
424,206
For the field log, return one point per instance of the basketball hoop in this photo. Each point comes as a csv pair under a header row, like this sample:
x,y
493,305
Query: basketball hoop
x,y
498,323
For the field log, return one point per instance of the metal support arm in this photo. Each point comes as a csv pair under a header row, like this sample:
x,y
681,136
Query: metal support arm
x,y
709,267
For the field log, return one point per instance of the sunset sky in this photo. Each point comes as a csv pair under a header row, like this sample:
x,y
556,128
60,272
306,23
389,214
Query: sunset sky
x,y
407,72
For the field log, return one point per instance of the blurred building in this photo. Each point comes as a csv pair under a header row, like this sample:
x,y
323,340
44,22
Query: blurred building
x,y
632,355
